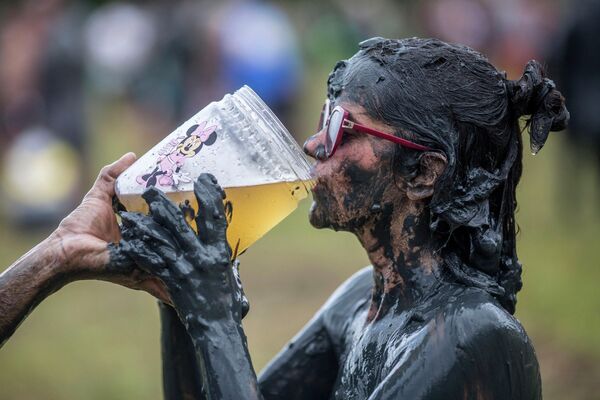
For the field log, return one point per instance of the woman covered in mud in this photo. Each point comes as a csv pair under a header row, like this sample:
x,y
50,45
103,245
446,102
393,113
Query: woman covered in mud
x,y
419,156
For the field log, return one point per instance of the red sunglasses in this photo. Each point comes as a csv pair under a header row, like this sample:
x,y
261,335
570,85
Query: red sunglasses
x,y
336,122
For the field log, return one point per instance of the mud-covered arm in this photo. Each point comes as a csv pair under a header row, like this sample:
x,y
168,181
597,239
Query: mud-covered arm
x,y
80,248
201,282
181,373
27,282
478,353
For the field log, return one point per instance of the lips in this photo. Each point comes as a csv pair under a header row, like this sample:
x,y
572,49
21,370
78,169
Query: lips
x,y
319,184
314,176
313,188
320,173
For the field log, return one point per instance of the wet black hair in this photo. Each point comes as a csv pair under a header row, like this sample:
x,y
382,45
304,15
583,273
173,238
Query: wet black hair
x,y
450,98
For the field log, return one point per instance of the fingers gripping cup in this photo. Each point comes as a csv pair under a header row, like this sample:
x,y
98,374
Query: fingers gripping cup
x,y
242,143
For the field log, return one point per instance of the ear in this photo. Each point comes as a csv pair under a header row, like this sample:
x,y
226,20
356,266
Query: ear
x,y
192,129
431,167
211,139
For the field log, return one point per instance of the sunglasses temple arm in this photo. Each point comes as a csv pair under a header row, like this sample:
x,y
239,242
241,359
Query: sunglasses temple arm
x,y
403,142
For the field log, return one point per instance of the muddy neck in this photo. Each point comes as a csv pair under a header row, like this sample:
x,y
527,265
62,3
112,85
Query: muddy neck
x,y
405,266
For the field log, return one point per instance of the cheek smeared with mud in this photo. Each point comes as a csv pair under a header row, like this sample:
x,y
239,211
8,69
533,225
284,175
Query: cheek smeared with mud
x,y
348,197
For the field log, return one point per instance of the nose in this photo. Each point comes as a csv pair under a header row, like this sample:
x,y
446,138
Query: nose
x,y
315,147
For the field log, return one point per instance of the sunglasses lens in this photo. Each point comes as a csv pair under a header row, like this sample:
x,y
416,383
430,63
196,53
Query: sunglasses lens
x,y
335,123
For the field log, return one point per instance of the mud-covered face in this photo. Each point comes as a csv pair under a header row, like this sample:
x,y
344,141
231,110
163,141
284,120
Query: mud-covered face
x,y
357,181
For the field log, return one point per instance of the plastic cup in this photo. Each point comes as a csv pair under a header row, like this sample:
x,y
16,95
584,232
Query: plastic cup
x,y
242,143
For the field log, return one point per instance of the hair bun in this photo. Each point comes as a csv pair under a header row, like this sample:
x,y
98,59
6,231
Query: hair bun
x,y
535,95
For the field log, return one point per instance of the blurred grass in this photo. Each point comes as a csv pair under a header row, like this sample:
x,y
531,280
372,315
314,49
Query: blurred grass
x,y
558,246
93,340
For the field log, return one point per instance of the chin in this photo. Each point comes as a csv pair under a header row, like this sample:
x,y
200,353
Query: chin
x,y
316,216
320,218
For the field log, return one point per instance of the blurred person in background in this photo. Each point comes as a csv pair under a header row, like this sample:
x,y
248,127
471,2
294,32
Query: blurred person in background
x,y
510,32
430,195
575,61
41,111
167,61
258,47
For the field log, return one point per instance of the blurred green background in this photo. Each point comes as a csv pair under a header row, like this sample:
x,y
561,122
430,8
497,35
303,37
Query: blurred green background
x,y
93,340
